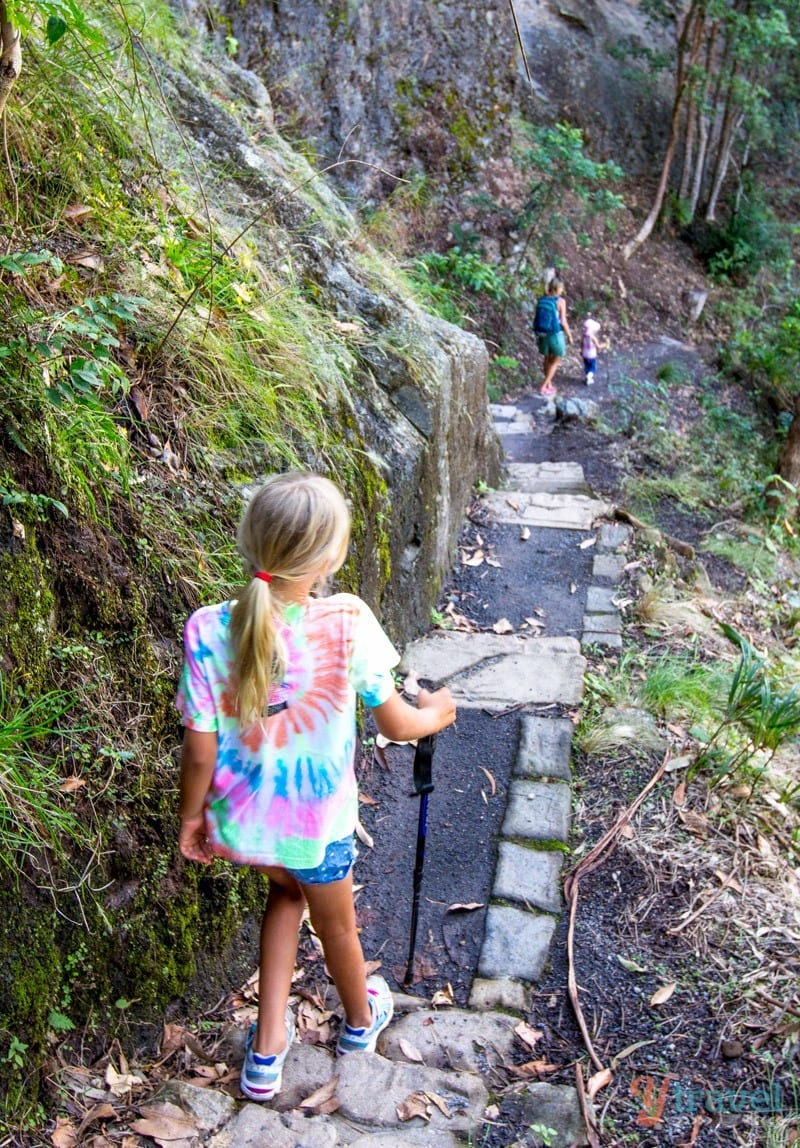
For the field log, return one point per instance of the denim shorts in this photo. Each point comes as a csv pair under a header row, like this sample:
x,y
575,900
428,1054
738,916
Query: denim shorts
x,y
336,864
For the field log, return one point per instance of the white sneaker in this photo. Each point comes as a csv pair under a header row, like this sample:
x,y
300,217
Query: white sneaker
x,y
589,379
381,1006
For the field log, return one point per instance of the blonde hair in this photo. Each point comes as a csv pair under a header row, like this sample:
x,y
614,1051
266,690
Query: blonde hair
x,y
295,524
555,286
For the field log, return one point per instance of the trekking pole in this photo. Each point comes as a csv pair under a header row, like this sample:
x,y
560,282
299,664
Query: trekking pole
x,y
423,786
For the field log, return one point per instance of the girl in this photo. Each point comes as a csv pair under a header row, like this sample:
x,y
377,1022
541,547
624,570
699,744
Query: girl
x,y
267,698
590,346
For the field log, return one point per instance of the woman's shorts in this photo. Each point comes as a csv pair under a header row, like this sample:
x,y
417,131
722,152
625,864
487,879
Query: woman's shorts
x,y
338,861
552,345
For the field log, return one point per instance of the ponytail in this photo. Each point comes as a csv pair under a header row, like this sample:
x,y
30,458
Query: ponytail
x,y
259,652
295,524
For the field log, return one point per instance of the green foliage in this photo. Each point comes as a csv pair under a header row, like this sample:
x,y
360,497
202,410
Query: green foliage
x,y
562,172
35,813
756,719
751,236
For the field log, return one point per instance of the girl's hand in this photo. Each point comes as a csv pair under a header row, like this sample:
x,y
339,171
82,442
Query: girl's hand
x,y
440,704
192,840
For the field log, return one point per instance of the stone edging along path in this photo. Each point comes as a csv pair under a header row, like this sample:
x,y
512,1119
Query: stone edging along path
x,y
448,1061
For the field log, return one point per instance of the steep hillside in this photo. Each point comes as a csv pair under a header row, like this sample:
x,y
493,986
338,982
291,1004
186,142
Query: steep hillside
x,y
186,306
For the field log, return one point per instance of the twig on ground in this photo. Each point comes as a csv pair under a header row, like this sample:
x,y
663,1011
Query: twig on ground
x,y
685,549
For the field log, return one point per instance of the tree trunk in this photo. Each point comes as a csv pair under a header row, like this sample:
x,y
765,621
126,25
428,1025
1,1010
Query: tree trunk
x,y
789,461
689,45
10,56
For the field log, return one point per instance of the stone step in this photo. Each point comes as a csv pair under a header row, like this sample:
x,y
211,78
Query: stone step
x,y
494,671
542,508
550,477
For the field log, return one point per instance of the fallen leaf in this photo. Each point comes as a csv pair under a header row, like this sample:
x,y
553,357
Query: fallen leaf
x,y
679,796
662,995
348,328
696,823
70,784
629,1051
676,763
121,1083
492,781
514,505
444,996
87,259
503,626
440,1103
321,1099
536,1068
64,1135
465,907
599,1080
627,831
528,1035
76,212
490,561
410,1052
17,529
475,560
729,881
365,799
363,836
631,966
524,534
534,623
492,1112
587,542
416,1104
165,1129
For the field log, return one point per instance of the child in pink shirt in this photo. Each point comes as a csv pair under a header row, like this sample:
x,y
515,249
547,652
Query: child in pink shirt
x,y
590,345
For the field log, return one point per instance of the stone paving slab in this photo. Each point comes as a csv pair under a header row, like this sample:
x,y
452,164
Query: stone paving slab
x,y
528,875
517,943
371,1088
538,811
501,992
601,600
453,1038
555,1106
553,477
558,511
612,537
608,566
544,747
602,623
597,638
490,671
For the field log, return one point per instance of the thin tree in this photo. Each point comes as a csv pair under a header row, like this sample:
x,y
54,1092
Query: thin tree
x,y
10,55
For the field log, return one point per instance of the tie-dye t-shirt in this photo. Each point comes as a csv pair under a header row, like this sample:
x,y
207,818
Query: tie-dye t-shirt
x,y
285,788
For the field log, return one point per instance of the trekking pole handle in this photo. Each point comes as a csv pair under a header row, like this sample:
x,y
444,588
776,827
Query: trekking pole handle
x,y
423,766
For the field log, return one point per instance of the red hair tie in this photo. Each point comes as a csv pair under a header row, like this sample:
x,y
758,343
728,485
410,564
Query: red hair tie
x,y
264,577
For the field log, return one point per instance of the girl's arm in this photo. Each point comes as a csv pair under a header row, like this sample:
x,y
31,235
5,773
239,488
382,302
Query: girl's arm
x,y
399,721
198,758
562,314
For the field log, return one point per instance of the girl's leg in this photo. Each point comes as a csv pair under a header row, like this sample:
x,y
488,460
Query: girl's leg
x,y
333,915
550,367
279,929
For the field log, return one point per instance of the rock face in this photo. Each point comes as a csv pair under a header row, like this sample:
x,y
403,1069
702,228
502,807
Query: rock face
x,y
417,86
579,55
412,391
412,86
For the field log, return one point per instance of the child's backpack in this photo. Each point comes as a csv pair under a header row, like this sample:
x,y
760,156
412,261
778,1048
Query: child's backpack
x,y
545,319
